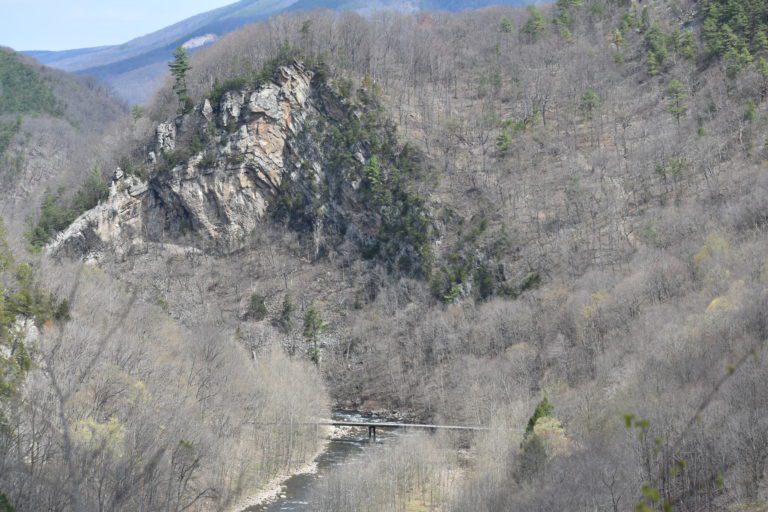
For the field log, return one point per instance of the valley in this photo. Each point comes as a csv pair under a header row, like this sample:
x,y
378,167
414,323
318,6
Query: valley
x,y
548,221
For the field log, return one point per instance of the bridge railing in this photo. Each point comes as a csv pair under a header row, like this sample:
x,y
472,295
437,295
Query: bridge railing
x,y
388,424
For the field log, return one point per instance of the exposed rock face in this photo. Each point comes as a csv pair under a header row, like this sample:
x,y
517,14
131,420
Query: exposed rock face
x,y
117,222
166,137
217,196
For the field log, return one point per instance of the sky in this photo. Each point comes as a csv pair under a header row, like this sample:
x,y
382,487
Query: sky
x,y
68,24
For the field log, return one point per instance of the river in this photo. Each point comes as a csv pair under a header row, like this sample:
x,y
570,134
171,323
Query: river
x,y
299,491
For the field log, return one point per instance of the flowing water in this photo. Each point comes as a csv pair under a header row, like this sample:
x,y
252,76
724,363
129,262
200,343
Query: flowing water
x,y
298,491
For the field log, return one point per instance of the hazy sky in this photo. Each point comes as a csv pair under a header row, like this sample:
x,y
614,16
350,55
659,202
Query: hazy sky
x,y
68,24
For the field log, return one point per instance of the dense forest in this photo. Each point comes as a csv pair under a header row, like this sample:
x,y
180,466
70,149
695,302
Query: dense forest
x,y
550,221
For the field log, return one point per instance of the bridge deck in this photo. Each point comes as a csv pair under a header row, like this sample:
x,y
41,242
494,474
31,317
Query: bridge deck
x,y
396,425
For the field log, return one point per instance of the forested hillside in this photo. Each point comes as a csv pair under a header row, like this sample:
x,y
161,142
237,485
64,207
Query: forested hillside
x,y
106,402
49,124
135,69
550,221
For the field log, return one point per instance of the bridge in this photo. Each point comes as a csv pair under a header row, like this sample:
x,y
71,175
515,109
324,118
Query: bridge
x,y
372,426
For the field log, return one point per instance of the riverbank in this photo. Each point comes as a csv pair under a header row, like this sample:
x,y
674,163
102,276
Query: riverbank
x,y
273,489
297,489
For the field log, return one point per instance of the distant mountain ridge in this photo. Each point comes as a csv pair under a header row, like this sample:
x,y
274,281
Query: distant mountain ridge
x,y
136,68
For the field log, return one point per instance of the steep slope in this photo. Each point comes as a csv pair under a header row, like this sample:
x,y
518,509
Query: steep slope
x,y
599,210
291,148
48,119
135,69
218,193
139,413
589,181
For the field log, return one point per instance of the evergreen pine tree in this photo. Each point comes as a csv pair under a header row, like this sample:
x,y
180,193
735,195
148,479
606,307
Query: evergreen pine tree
x,y
677,95
313,328
590,104
180,66
506,25
688,45
653,64
535,24
503,142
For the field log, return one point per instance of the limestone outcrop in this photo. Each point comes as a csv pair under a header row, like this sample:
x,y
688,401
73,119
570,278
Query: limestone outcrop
x,y
215,197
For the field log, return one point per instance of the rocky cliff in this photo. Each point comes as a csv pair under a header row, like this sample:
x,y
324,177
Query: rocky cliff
x,y
211,192
326,164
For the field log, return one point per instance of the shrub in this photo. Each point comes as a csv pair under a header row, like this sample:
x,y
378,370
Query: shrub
x,y
544,409
235,159
531,281
209,160
257,307
286,313
171,159
219,89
